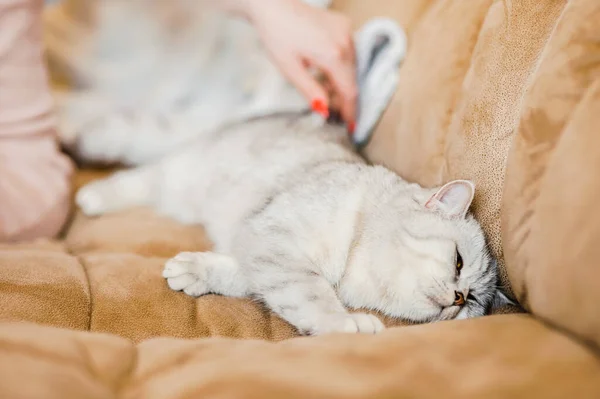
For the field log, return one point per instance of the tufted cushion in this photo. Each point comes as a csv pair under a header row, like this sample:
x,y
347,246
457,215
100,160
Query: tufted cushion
x,y
109,290
551,222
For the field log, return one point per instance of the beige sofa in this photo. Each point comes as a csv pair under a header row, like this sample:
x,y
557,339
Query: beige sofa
x,y
506,93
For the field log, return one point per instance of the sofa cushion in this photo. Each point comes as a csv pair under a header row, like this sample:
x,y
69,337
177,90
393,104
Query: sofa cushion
x,y
43,286
551,222
120,293
481,358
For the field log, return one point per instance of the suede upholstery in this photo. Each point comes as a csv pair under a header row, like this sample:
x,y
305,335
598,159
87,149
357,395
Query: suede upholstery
x,y
505,93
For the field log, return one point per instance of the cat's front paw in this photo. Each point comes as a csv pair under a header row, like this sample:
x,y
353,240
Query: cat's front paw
x,y
185,273
349,323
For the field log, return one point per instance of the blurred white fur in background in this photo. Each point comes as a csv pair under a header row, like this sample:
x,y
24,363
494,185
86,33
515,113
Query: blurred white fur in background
x,y
146,76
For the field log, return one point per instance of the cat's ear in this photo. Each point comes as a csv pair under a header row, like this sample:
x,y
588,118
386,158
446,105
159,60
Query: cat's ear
x,y
501,299
453,199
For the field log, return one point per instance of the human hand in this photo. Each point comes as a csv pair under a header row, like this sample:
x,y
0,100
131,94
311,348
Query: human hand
x,y
299,36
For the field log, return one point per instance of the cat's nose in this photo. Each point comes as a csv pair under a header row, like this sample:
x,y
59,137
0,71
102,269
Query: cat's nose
x,y
459,298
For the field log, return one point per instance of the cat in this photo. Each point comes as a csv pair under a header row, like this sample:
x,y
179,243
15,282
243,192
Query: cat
x,y
297,217
304,224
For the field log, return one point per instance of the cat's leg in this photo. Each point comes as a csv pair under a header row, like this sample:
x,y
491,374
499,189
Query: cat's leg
x,y
305,300
125,189
200,273
309,302
131,137
95,131
283,261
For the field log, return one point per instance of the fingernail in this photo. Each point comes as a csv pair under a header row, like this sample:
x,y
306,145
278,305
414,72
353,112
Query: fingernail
x,y
351,127
320,107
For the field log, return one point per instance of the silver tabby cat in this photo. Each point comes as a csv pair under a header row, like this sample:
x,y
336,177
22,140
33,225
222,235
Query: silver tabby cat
x,y
302,223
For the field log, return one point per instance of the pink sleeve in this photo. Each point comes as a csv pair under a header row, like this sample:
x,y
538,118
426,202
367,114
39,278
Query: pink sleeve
x,y
34,176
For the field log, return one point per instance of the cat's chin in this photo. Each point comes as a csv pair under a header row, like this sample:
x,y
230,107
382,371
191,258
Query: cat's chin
x,y
469,312
448,313
434,315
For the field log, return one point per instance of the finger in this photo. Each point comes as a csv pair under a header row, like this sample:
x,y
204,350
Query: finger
x,y
340,69
343,77
350,94
310,88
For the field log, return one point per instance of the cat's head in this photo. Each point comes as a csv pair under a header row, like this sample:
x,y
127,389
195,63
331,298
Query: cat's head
x,y
434,262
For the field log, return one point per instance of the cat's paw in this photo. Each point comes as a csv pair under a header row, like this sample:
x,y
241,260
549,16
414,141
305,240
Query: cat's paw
x,y
186,272
90,200
352,323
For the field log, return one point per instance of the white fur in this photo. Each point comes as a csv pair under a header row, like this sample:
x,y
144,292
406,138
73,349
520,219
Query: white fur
x,y
299,221
143,88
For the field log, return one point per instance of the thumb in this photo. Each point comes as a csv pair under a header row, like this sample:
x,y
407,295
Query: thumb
x,y
306,84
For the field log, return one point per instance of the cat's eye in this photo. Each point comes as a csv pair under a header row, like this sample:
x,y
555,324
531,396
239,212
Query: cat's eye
x,y
459,262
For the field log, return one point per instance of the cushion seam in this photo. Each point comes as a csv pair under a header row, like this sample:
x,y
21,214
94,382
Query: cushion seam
x,y
89,285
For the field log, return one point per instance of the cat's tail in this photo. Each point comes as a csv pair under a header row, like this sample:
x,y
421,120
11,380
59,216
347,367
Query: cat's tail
x,y
380,48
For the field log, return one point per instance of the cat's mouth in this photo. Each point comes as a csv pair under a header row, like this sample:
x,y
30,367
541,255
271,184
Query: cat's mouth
x,y
445,311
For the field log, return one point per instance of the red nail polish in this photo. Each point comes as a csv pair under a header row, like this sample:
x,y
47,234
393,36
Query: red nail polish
x,y
320,107
351,127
